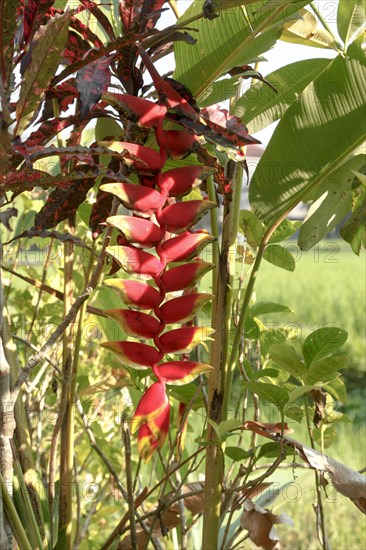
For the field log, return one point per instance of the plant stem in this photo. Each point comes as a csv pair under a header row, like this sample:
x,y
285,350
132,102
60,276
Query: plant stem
x,y
7,427
319,510
215,233
221,316
67,427
13,518
174,6
131,508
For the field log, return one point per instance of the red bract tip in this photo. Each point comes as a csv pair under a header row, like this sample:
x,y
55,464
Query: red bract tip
x,y
184,276
143,158
135,323
181,216
152,404
180,181
185,246
136,294
165,90
184,308
135,197
153,434
178,373
177,143
183,340
136,262
137,230
147,113
133,354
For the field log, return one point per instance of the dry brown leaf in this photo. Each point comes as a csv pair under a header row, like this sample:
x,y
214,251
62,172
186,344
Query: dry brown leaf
x,y
267,429
194,503
168,520
346,481
259,522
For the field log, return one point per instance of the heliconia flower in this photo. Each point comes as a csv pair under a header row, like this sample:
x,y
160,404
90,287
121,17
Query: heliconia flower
x,y
134,354
147,113
136,197
135,261
185,246
157,215
180,181
143,157
135,323
151,405
137,230
184,308
134,293
153,434
179,373
180,216
183,340
184,276
177,143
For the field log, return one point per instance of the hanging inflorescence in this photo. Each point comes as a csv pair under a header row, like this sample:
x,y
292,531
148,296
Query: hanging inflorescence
x,y
162,223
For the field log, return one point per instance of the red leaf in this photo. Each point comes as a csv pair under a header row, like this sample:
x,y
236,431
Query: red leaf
x,y
228,125
101,18
180,181
136,294
184,276
183,340
181,216
137,230
182,372
75,48
134,323
33,14
92,81
185,246
133,354
135,197
45,59
137,15
184,308
86,33
136,262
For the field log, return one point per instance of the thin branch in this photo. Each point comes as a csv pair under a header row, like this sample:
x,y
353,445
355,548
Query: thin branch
x,y
69,318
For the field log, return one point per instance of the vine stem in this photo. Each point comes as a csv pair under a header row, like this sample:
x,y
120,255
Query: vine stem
x,y
319,510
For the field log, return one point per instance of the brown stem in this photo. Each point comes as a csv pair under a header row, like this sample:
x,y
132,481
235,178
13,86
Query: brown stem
x,y
130,498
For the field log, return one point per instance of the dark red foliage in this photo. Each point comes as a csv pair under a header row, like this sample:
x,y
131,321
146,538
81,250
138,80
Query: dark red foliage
x,y
100,212
85,32
227,125
62,203
32,14
92,81
75,48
